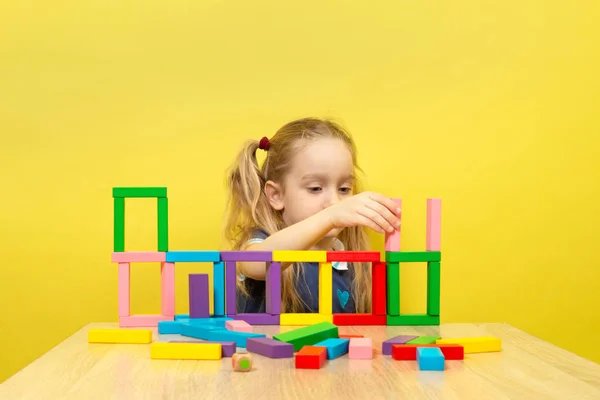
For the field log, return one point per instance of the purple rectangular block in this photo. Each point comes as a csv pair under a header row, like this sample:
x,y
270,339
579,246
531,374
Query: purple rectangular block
x,y
247,255
273,289
230,288
228,349
199,296
386,347
270,347
257,319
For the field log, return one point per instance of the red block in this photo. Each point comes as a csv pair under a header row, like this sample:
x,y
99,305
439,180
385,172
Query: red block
x,y
350,336
359,319
311,357
379,289
408,352
353,256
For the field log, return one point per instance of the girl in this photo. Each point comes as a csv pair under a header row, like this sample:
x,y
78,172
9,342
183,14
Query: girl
x,y
304,196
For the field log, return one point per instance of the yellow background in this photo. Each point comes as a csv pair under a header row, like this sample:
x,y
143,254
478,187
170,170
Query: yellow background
x,y
492,106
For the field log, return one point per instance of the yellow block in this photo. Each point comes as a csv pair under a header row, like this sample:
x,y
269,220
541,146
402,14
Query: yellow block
x,y
325,288
185,351
117,335
300,256
304,318
482,344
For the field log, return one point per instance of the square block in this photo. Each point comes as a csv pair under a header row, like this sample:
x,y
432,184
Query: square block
x,y
336,347
483,344
412,256
310,357
238,326
129,336
258,319
247,256
360,349
430,359
148,192
270,348
293,319
359,319
138,256
185,351
143,320
353,256
386,346
300,256
193,256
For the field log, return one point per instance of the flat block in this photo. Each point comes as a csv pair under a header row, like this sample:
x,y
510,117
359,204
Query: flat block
x,y
393,289
136,321
213,321
423,340
258,318
379,288
336,347
353,256
310,357
163,224
433,288
139,192
198,296
227,348
430,359
270,348
193,256
138,256
309,335
294,319
230,288
350,336
386,347
247,255
392,240
483,344
359,319
325,288
300,256
185,351
409,351
412,256
169,327
434,224
238,326
181,316
241,362
119,225
360,349
273,289
219,288
413,320
130,336
215,333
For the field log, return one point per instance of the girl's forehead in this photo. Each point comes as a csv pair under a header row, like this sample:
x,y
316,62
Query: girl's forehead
x,y
323,157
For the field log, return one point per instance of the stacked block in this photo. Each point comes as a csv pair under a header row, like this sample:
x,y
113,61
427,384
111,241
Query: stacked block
x,y
198,293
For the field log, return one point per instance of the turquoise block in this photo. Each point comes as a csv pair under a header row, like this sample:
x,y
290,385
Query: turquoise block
x,y
169,327
193,256
218,321
181,316
336,347
219,288
216,333
430,359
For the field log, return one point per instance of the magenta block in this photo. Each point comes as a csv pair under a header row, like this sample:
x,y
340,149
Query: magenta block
x,y
386,347
273,289
199,303
248,255
270,347
230,288
257,319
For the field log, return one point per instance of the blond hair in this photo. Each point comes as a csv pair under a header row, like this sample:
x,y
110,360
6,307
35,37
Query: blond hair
x,y
249,209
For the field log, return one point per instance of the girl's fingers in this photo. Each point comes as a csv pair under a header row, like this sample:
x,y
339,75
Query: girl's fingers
x,y
377,218
386,201
385,213
364,221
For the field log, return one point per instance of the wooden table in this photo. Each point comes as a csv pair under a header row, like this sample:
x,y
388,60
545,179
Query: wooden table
x,y
527,368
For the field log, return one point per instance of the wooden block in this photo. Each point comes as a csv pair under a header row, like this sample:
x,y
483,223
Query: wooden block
x,y
353,256
413,256
293,319
310,357
258,318
247,256
270,348
169,327
392,240
119,225
300,256
379,289
434,224
433,288
123,285
336,347
216,333
409,351
413,320
136,321
350,336
219,288
230,288
239,326
167,289
359,319
163,224
325,288
423,340
193,256
483,344
139,256
430,359
360,349
149,192
308,335
386,346
241,362
185,351
393,289
130,336
273,289
198,296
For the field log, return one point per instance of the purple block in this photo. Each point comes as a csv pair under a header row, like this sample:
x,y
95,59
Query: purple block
x,y
248,255
386,347
257,319
228,349
199,296
273,289
270,347
230,288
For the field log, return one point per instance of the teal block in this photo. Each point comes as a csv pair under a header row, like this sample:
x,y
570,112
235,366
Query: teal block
x,y
216,333
430,359
169,327
219,288
193,256
336,347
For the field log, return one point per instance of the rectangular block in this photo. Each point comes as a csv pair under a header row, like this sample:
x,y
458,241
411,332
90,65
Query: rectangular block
x,y
227,348
433,288
350,336
309,335
393,286
270,348
169,327
199,296
230,288
238,326
413,256
353,256
360,349
423,340
434,224
359,319
163,224
193,256
185,351
294,319
300,256
122,192
218,334
119,225
123,284
273,289
325,288
167,288
409,351
379,288
247,255
139,256
213,321
386,347
141,320
310,357
258,318
483,344
336,347
430,359
392,240
219,288
413,320
129,336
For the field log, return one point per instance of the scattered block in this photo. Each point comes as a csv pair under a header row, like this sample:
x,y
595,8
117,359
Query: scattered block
x,y
169,327
198,296
430,359
353,256
483,344
116,335
310,357
300,256
408,352
423,340
336,347
386,346
270,348
258,318
350,336
215,333
309,335
360,349
216,321
348,319
238,326
291,319
227,348
185,351
241,362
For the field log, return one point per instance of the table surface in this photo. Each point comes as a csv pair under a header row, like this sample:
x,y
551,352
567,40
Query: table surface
x,y
526,368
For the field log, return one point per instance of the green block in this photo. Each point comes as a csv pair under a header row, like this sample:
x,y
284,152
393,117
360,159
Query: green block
x,y
140,192
119,224
412,319
424,340
433,288
163,224
412,256
308,335
393,288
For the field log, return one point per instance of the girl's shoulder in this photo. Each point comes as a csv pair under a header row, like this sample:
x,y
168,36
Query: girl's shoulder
x,y
257,236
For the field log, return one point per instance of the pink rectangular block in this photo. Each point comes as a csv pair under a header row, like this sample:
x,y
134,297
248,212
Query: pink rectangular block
x,y
167,289
123,290
139,256
434,224
360,349
392,240
238,326
143,320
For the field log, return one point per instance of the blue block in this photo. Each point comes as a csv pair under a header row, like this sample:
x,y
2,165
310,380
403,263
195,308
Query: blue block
x,y
430,359
169,327
193,256
219,288
336,347
215,333
218,321
181,316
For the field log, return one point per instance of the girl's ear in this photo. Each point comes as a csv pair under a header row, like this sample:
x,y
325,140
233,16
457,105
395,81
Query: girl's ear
x,y
274,194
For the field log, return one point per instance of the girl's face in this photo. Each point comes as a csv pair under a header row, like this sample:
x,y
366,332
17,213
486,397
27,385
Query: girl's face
x,y
321,174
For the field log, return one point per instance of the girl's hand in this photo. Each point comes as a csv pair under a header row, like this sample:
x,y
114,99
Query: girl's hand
x,y
369,209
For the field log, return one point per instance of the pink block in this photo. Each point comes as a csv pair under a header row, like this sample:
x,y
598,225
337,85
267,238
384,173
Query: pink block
x,y
167,289
139,256
123,290
239,326
360,349
392,240
143,320
434,224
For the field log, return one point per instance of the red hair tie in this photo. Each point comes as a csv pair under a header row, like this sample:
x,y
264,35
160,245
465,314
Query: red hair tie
x,y
264,144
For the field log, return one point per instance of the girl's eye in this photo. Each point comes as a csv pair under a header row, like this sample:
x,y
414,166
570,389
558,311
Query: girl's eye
x,y
314,189
345,190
